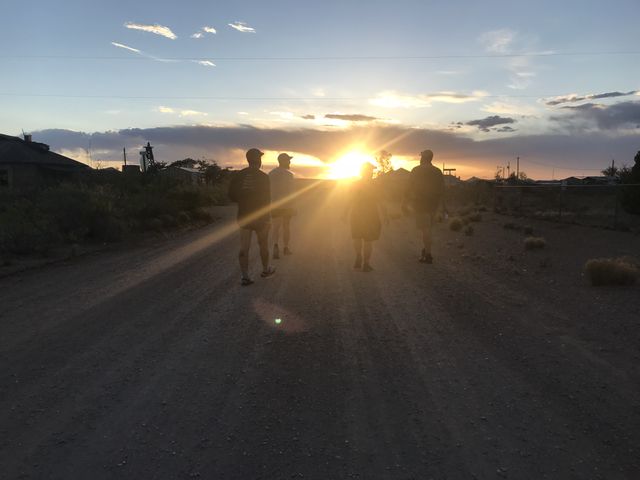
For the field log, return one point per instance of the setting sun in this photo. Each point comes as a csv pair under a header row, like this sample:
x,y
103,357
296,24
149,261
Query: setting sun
x,y
348,165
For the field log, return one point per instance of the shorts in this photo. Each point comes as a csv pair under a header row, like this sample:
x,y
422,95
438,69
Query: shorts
x,y
424,220
283,212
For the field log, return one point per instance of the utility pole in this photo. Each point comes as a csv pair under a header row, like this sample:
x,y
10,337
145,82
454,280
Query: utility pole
x,y
518,167
124,155
508,169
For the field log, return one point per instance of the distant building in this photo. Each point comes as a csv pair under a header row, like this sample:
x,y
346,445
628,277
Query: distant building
x,y
185,174
27,164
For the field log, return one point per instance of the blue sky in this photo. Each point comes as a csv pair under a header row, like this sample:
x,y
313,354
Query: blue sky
x,y
479,106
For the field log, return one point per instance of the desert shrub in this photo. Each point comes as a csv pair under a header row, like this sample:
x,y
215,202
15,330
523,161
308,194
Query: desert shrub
x,y
475,217
511,226
468,231
455,224
534,243
26,229
527,230
611,271
482,208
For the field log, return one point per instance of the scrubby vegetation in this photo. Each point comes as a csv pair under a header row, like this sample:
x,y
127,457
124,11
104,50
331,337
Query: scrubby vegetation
x,y
527,230
468,231
534,243
100,210
455,224
611,271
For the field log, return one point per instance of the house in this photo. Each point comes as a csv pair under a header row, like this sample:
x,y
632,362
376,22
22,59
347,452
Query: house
x,y
184,174
25,164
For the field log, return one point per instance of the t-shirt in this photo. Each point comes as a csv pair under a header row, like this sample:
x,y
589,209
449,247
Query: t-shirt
x,y
426,188
281,187
251,190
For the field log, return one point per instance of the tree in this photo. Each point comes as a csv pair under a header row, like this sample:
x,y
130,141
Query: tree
x,y
635,170
521,178
213,173
383,159
610,171
187,162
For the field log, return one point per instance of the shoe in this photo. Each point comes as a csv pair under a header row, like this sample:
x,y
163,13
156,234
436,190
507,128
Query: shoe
x,y
426,258
287,251
358,263
367,268
269,272
276,252
246,281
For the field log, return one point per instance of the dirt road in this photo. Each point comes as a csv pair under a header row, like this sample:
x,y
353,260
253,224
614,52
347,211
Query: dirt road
x,y
491,363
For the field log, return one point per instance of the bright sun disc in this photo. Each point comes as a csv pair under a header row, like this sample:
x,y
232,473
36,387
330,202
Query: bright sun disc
x,y
348,165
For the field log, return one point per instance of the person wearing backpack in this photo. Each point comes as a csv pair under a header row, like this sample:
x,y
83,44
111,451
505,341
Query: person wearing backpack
x,y
424,194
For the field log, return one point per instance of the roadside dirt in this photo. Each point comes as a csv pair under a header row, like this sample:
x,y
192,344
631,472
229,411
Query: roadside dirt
x,y
494,362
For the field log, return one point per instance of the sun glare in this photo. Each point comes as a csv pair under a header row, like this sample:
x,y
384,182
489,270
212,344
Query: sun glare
x,y
348,165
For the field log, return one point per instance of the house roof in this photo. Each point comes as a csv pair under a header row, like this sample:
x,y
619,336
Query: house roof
x,y
14,150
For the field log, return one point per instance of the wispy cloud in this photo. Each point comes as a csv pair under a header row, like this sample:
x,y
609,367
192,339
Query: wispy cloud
x,y
242,27
205,63
200,33
574,98
156,29
126,47
181,113
393,99
498,41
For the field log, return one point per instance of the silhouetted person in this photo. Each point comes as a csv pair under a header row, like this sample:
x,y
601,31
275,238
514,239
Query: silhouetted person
x,y
425,193
250,189
364,208
282,188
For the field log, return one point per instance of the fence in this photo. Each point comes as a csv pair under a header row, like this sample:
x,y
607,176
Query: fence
x,y
611,206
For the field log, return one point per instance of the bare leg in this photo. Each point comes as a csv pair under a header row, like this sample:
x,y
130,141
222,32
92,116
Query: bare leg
x,y
277,222
243,257
426,236
286,230
368,248
263,243
357,247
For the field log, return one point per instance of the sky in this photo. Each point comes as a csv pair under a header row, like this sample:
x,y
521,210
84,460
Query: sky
x,y
480,83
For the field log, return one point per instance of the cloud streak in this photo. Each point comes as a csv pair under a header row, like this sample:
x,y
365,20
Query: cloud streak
x,y
574,98
126,47
485,124
155,29
393,99
242,27
350,117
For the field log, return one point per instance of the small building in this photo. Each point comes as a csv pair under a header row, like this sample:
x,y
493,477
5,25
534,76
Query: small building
x,y
25,164
185,174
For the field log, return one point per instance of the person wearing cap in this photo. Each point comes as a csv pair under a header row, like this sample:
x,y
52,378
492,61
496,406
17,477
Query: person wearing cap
x,y
282,190
251,190
364,208
424,194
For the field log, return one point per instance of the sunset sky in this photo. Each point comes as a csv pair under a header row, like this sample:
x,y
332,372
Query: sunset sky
x,y
556,83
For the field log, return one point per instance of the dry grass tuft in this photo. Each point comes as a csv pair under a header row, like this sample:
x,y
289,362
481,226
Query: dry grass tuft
x,y
468,231
611,271
528,230
534,243
475,217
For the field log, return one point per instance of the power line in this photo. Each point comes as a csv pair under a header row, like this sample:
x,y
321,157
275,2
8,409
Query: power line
x,y
327,58
243,98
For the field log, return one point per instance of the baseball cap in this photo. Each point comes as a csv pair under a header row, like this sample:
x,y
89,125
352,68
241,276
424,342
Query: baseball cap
x,y
284,157
254,154
426,153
